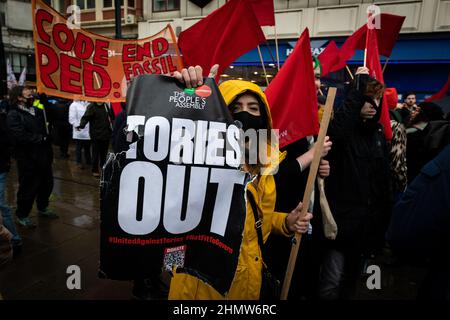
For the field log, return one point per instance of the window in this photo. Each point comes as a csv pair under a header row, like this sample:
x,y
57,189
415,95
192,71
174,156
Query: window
x,y
61,6
19,61
166,5
86,4
110,3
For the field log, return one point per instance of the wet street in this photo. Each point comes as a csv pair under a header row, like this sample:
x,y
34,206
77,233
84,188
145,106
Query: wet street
x,y
39,272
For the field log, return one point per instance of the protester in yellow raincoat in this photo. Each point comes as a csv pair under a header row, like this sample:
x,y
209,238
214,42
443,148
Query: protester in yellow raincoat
x,y
248,104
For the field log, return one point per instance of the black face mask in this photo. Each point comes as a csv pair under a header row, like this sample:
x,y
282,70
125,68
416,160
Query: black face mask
x,y
249,121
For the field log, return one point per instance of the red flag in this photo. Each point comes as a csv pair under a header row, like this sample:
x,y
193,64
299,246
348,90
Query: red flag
x,y
375,71
348,48
264,11
387,35
292,95
441,93
329,57
221,37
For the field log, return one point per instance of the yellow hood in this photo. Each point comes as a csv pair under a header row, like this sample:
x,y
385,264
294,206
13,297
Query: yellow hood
x,y
232,88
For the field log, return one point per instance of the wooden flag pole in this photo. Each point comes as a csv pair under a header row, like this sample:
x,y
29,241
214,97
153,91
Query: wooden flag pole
x,y
385,64
309,188
365,56
276,47
349,72
263,66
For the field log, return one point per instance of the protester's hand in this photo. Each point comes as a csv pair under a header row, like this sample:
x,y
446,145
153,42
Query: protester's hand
x,y
213,71
326,147
296,223
362,70
193,76
78,128
324,168
367,111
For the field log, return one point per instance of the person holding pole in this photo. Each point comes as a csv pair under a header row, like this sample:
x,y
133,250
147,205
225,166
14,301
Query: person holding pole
x,y
291,180
358,188
248,105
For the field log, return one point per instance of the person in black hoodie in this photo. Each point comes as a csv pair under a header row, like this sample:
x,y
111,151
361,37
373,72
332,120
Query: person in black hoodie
x,y
290,181
426,129
358,188
100,118
33,153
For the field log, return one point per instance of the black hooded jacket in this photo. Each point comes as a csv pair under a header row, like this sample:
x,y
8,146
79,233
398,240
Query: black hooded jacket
x,y
28,134
359,187
100,118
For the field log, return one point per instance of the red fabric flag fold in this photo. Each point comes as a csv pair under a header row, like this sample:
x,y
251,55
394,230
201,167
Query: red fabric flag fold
x,y
375,71
441,93
264,11
387,35
221,37
329,57
292,95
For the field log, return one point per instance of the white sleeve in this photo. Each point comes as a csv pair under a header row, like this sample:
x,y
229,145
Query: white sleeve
x,y
72,115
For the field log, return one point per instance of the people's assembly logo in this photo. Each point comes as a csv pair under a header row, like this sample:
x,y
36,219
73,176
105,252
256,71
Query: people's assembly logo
x,y
191,98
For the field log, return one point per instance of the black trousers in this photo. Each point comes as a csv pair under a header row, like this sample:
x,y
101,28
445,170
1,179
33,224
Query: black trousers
x,y
35,183
99,153
339,275
80,146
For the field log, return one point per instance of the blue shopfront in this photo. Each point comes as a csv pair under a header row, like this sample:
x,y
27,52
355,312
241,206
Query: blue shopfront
x,y
420,64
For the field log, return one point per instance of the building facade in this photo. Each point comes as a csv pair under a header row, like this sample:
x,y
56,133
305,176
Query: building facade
x,y
17,36
420,60
422,52
96,16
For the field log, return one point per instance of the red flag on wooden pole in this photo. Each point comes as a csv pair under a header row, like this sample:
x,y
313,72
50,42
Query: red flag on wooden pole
x,y
375,71
292,95
387,35
329,57
221,37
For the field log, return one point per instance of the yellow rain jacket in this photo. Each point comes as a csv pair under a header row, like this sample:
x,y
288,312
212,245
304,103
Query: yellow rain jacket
x,y
247,279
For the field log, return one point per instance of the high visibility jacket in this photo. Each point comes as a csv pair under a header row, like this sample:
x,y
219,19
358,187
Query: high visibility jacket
x,y
37,104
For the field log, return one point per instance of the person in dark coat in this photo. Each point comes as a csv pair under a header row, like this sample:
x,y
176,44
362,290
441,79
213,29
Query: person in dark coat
x,y
420,225
358,188
423,122
58,111
291,180
33,153
100,118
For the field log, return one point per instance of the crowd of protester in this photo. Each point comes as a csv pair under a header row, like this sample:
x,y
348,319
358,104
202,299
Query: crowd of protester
x,y
371,185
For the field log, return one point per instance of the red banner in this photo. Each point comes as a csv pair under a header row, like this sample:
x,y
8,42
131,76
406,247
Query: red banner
x,y
76,64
